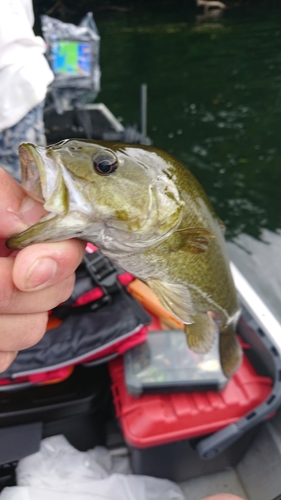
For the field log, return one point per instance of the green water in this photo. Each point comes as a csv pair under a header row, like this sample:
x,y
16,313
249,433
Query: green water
x,y
214,101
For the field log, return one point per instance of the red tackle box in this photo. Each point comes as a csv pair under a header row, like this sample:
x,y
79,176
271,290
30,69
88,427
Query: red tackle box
x,y
164,431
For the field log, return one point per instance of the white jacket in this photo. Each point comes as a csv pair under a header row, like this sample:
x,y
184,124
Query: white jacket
x,y
24,70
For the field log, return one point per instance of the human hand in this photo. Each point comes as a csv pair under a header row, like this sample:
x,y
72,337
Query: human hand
x,y
33,280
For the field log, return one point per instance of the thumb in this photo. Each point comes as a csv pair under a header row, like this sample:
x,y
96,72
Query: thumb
x,y
18,211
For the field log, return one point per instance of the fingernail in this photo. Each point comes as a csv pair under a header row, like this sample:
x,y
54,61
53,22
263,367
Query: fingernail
x,y
41,273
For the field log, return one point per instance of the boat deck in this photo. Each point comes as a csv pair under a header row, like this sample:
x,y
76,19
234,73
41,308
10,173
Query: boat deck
x,y
256,477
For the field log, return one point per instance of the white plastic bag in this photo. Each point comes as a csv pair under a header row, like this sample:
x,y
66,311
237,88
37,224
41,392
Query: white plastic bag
x,y
60,472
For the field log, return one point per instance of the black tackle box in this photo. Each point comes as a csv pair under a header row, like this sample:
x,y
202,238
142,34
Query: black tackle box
x,y
77,407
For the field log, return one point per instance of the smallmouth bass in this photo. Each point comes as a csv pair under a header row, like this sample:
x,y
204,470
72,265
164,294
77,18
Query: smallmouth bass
x,y
145,211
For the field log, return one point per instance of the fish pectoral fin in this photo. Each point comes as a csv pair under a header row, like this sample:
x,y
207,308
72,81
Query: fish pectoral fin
x,y
175,298
196,239
201,334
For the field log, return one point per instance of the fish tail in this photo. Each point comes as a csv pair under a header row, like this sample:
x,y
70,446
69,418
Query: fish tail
x,y
230,351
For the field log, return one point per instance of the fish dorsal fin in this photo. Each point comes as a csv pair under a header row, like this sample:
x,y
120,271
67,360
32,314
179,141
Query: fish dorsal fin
x,y
175,298
201,334
222,226
195,239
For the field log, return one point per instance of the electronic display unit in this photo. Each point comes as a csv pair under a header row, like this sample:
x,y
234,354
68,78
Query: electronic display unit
x,y
71,58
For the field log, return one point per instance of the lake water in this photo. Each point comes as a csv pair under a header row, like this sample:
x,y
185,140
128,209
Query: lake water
x,y
214,101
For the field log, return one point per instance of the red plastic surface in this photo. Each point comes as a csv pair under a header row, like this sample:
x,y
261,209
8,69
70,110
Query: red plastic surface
x,y
152,420
50,377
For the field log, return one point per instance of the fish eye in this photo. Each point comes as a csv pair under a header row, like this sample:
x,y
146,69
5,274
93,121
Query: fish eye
x,y
105,164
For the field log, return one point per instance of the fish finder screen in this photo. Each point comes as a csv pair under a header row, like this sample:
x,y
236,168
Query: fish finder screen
x,y
71,58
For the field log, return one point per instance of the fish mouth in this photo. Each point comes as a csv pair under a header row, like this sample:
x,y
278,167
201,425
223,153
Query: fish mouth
x,y
42,178
32,169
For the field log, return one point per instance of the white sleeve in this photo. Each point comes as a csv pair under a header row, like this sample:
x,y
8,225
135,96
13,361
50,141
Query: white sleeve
x,y
16,21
